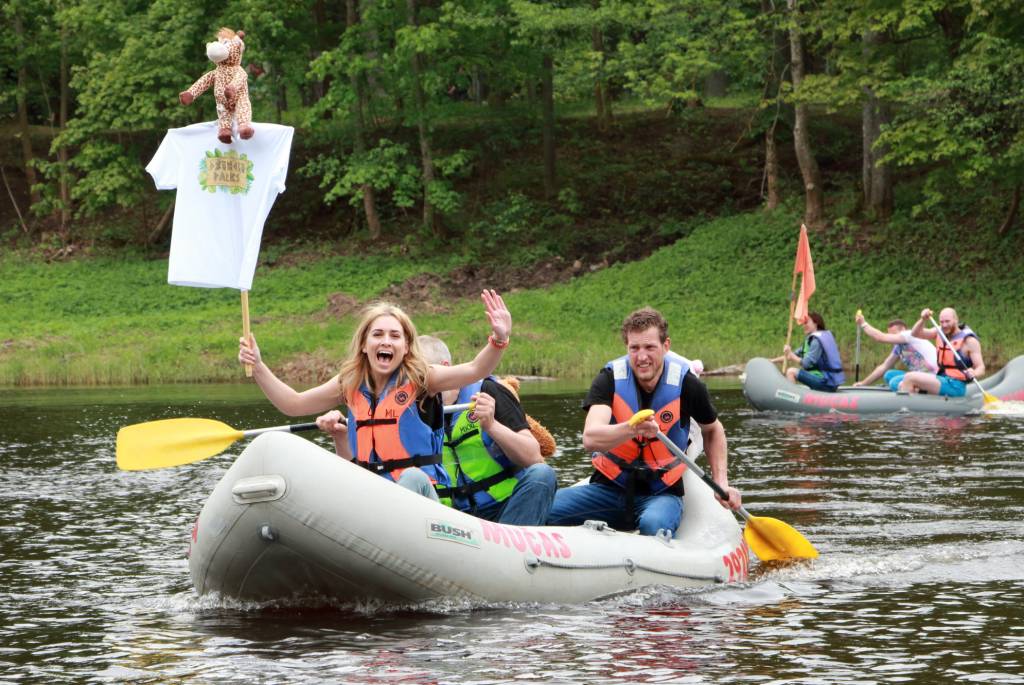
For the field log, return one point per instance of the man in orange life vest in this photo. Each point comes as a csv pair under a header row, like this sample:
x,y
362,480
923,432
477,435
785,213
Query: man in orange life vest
x,y
954,372
637,481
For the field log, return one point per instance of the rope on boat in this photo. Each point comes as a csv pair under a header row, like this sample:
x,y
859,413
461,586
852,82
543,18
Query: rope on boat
x,y
631,567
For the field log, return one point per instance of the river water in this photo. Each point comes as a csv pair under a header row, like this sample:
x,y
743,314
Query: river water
x,y
920,579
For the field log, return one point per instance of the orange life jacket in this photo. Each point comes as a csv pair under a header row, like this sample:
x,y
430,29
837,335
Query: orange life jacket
x,y
650,460
389,435
949,365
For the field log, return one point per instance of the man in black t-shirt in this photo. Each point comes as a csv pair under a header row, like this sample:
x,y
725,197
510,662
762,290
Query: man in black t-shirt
x,y
510,484
637,481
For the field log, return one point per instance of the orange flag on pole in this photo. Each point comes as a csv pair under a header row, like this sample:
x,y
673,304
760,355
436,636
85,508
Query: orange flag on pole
x,y
804,266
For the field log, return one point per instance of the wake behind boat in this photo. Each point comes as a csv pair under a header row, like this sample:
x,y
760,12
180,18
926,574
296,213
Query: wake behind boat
x,y
290,520
766,388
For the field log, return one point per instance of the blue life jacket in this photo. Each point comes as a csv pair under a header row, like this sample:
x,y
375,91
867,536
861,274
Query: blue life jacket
x,y
830,366
651,461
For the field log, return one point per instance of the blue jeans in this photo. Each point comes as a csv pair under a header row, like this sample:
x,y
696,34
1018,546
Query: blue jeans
x,y
893,377
530,501
814,382
602,502
418,481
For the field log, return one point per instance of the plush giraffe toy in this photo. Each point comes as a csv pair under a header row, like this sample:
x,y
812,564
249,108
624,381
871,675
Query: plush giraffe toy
x,y
230,85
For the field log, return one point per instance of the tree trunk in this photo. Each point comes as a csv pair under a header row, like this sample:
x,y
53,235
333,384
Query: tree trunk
x,y
773,89
953,23
771,169
359,126
548,105
23,130
62,151
814,202
476,86
602,101
280,93
161,225
426,155
716,84
14,201
1011,216
876,177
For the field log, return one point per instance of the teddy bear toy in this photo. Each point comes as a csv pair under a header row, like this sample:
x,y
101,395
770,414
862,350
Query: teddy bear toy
x,y
230,85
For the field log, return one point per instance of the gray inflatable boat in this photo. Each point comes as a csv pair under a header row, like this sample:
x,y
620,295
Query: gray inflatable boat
x,y
292,521
767,389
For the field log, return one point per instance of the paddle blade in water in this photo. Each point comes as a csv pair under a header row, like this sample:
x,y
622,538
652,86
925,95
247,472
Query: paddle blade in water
x,y
771,539
1004,408
172,442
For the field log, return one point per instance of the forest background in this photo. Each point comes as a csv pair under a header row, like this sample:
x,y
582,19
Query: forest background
x,y
582,156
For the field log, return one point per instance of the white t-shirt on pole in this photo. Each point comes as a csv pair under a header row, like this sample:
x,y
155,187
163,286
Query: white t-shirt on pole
x,y
225,193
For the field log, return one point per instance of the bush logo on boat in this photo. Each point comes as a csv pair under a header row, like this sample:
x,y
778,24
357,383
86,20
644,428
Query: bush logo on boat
x,y
541,544
788,396
443,530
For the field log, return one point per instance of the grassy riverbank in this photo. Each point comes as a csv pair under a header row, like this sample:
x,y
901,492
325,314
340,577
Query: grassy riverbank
x,y
724,288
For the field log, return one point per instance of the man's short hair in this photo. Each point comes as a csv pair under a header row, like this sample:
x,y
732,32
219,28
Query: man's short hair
x,y
642,319
434,350
897,322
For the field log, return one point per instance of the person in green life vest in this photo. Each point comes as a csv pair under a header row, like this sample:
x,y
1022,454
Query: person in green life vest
x,y
820,366
494,461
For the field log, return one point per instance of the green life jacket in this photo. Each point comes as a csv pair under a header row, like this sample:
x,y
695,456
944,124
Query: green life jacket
x,y
478,470
803,353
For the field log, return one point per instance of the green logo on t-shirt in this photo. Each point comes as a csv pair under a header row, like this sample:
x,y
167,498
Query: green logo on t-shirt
x,y
228,171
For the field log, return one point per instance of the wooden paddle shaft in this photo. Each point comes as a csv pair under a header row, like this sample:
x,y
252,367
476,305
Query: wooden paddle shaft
x,y
246,332
789,330
692,465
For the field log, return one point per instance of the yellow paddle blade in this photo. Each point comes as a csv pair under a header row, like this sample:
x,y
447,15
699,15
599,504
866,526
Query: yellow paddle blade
x,y
640,416
172,442
771,539
990,398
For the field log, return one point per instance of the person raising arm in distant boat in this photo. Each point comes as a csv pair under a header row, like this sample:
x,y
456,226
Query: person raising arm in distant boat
x,y
916,354
391,392
820,366
637,481
954,372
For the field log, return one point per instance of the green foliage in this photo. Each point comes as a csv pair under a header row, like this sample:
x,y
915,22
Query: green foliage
x,y
950,70
129,84
387,168
724,289
684,42
970,119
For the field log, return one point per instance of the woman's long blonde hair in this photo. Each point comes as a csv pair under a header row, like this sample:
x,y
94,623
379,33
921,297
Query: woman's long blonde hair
x,y
355,370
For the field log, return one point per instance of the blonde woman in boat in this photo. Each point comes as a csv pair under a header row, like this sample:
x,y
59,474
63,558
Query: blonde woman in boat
x,y
392,394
